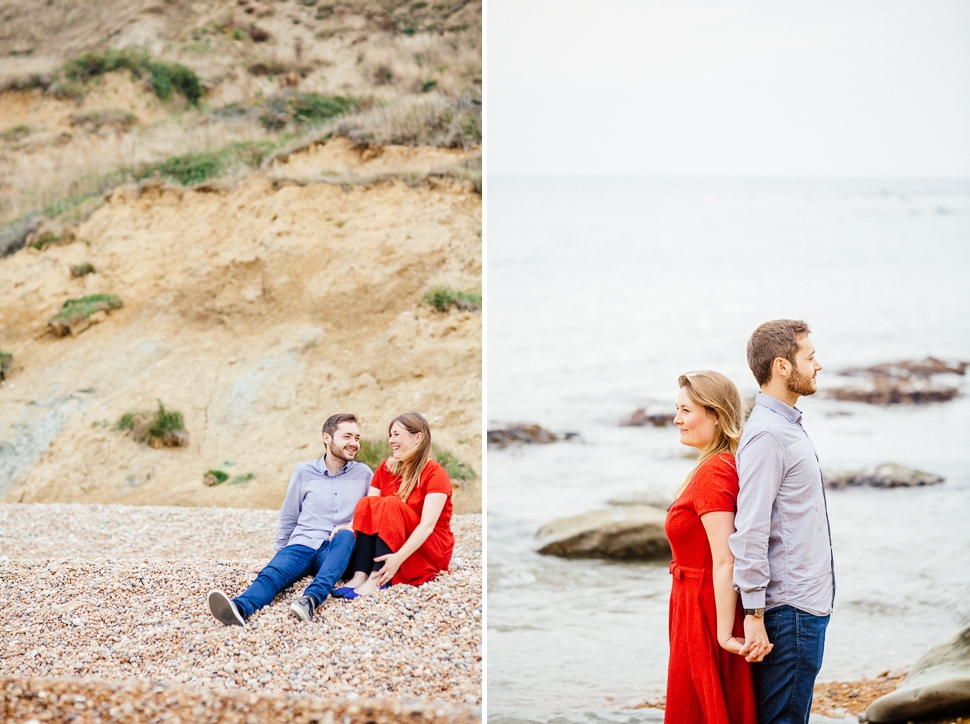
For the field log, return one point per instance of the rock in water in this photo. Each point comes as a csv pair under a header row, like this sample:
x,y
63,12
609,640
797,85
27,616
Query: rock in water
x,y
938,685
630,532
887,475
525,433
642,418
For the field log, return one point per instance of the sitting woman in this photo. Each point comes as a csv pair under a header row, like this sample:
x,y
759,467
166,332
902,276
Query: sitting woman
x,y
403,526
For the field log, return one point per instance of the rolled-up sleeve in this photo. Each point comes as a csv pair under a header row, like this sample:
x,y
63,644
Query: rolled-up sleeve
x,y
290,512
760,472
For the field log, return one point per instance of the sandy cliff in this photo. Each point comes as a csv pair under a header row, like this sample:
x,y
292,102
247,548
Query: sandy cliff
x,y
256,309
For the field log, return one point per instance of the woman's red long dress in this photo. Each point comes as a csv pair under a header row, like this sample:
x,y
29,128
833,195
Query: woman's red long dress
x,y
705,683
394,520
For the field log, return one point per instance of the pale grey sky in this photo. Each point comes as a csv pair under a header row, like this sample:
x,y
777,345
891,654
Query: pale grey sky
x,y
728,87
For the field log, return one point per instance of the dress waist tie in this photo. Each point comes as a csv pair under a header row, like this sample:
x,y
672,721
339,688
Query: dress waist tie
x,y
701,574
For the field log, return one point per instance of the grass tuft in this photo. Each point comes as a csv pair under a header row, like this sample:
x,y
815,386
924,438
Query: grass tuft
x,y
80,270
74,315
6,362
457,470
194,168
242,479
373,453
215,477
444,298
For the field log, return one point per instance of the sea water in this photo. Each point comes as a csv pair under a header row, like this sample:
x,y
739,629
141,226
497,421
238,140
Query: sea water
x,y
600,293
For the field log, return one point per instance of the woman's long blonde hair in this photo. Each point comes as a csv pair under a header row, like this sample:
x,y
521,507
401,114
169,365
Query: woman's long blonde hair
x,y
411,467
718,395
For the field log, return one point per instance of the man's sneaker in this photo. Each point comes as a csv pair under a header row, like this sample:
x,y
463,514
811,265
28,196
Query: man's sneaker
x,y
222,607
303,608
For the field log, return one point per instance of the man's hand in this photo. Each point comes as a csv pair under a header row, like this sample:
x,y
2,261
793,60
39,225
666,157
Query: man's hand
x,y
391,565
756,645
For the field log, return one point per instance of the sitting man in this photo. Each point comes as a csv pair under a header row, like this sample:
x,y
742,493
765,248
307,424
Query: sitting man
x,y
320,501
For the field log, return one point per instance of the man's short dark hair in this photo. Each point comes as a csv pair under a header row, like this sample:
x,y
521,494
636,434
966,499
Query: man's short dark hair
x,y
778,338
330,426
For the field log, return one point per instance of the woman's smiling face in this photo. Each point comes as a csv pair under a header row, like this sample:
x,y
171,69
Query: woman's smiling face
x,y
697,425
401,441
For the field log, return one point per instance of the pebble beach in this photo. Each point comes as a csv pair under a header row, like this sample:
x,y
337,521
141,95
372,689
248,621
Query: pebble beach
x,y
107,603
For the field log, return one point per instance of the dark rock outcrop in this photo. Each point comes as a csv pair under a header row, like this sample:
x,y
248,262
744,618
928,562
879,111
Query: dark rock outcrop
x,y
887,475
909,382
629,532
938,685
524,433
642,418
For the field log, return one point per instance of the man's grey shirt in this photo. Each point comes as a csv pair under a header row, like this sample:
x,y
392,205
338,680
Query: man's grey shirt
x,y
317,502
783,544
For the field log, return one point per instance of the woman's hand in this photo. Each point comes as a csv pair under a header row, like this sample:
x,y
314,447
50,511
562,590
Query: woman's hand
x,y
392,562
340,528
732,644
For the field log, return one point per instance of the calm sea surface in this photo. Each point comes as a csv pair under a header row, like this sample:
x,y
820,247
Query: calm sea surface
x,y
600,293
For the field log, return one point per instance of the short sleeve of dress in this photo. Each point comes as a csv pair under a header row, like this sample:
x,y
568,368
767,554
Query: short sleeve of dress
x,y
437,480
384,481
717,485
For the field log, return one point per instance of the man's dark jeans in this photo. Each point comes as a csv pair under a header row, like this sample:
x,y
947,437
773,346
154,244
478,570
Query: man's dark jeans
x,y
291,563
788,672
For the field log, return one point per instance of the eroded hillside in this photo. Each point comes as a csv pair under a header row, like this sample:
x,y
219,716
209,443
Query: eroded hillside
x,y
256,312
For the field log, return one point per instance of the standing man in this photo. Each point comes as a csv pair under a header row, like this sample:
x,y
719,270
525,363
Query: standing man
x,y
320,500
783,565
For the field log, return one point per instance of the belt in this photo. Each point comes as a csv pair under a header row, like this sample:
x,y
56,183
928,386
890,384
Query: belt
x,y
680,572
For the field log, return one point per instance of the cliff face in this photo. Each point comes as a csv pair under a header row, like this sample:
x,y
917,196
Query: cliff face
x,y
256,311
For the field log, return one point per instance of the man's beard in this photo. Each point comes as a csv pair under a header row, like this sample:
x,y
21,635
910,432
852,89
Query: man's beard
x,y
339,454
800,384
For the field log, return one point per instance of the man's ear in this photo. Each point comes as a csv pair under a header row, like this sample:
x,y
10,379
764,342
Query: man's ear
x,y
781,366
326,439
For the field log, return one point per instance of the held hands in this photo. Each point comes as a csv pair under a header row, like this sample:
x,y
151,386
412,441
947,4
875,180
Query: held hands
x,y
731,644
391,565
338,529
756,645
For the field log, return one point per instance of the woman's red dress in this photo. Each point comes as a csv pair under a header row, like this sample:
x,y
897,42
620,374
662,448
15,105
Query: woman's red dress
x,y
394,520
705,683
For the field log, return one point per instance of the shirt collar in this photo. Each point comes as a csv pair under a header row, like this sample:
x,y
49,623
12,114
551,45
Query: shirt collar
x,y
322,463
792,414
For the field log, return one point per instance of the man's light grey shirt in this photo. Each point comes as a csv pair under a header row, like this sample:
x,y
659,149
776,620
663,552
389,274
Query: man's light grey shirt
x,y
783,544
317,502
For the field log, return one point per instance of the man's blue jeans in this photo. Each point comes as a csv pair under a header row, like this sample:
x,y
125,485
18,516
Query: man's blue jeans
x,y
291,563
788,672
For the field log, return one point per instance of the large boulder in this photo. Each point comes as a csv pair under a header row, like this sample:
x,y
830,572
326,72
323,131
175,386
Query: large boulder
x,y
938,685
887,475
901,383
629,532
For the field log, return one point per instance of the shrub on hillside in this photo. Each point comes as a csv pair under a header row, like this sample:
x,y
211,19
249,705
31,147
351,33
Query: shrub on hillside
x,y
6,362
161,428
304,109
163,77
427,120
215,477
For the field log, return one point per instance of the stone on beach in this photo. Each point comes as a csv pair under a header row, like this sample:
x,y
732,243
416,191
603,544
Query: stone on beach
x,y
887,475
629,532
937,685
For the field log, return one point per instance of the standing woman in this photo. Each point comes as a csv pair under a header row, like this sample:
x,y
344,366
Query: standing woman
x,y
708,682
403,526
